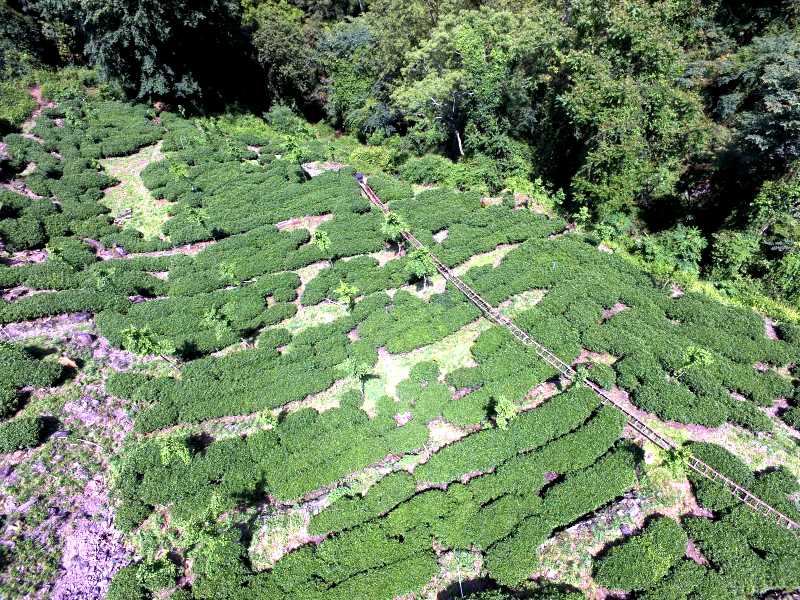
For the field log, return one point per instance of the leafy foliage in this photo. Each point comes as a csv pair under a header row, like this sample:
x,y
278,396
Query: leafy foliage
x,y
643,559
21,433
420,264
393,227
137,45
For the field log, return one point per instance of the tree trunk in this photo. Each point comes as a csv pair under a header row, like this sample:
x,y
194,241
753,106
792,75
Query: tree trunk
x,y
460,146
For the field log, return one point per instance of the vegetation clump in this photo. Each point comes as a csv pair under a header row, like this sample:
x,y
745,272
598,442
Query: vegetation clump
x,y
644,559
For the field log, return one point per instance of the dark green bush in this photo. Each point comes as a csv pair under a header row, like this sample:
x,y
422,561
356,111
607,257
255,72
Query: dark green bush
x,y
126,586
679,583
21,433
644,559
486,449
19,368
513,559
430,168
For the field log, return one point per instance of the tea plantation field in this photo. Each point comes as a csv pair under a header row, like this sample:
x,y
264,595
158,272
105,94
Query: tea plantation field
x,y
222,378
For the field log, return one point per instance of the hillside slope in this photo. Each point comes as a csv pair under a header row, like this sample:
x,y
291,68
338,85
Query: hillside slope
x,y
263,398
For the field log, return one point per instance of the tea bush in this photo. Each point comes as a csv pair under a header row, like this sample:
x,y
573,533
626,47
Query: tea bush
x,y
511,560
650,337
682,580
206,322
529,430
642,560
19,368
380,499
746,554
501,492
472,229
21,433
306,450
411,323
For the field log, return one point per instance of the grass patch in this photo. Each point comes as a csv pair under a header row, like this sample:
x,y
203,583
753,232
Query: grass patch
x,y
450,353
148,215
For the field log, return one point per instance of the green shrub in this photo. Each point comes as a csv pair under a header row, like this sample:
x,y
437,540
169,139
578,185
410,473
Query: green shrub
x,y
792,417
348,512
19,434
679,583
390,189
708,493
486,449
430,168
513,559
19,368
218,567
733,254
371,159
16,104
156,576
644,559
126,586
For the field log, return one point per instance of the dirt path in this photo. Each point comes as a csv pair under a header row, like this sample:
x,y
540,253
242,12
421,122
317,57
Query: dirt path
x,y
311,223
41,104
118,252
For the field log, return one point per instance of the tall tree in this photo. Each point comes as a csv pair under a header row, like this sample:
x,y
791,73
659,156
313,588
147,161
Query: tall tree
x,y
760,98
285,44
183,50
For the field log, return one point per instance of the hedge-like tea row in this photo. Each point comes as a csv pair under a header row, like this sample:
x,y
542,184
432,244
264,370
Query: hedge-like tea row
x,y
411,323
67,301
747,555
243,382
307,450
21,433
513,559
462,517
654,337
484,518
710,494
488,448
680,583
19,368
362,272
471,228
218,193
66,169
642,560
578,449
327,570
505,369
203,323
241,258
310,449
349,512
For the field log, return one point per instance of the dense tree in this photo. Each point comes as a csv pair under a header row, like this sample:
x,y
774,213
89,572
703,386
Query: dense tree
x,y
182,50
759,96
284,44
